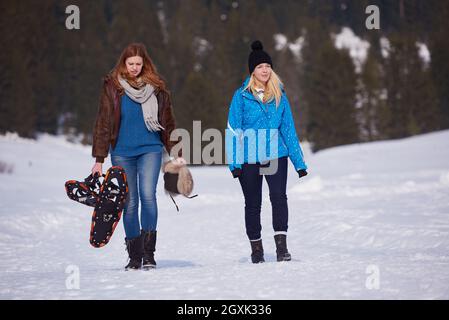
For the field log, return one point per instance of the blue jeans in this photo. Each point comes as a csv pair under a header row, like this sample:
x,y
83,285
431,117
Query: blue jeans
x,y
142,173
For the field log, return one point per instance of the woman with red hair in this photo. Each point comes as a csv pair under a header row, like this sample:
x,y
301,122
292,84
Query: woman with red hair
x,y
134,122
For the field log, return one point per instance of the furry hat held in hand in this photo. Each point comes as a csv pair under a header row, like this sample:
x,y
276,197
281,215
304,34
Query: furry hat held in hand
x,y
177,179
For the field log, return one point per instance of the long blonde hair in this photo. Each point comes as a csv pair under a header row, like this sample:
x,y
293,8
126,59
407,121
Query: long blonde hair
x,y
272,89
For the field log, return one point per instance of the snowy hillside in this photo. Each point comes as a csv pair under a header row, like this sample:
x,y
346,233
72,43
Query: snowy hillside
x,y
369,221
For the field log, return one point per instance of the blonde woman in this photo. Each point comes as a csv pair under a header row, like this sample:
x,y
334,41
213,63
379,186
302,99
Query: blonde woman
x,y
260,136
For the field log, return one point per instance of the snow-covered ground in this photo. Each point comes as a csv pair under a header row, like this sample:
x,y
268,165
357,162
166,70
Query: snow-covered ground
x,y
370,221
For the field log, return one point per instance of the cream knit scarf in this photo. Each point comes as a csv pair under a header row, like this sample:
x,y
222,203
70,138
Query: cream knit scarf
x,y
146,97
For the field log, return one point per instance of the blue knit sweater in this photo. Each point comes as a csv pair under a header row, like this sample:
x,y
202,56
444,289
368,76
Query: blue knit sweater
x,y
134,138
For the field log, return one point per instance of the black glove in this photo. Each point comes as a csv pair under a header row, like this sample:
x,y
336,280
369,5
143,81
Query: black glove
x,y
302,172
237,172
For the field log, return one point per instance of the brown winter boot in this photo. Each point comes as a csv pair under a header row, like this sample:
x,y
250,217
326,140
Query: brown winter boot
x,y
257,251
281,248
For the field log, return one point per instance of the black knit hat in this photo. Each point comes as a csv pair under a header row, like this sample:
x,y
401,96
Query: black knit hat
x,y
258,56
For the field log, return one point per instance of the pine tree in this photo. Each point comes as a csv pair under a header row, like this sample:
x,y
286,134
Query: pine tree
x,y
291,69
412,102
372,110
17,108
439,49
44,72
329,82
89,61
184,26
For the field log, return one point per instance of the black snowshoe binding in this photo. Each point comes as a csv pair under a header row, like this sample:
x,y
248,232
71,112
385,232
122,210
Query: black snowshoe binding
x,y
85,192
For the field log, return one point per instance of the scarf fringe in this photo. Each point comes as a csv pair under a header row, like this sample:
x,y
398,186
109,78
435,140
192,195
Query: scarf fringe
x,y
153,125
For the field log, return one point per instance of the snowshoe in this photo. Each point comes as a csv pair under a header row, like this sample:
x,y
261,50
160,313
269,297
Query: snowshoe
x,y
108,198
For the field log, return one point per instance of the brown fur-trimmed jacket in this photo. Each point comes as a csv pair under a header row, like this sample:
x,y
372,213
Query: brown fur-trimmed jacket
x,y
107,122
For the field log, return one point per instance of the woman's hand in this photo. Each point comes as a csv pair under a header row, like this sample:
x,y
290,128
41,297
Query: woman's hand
x,y
97,168
237,172
179,161
302,173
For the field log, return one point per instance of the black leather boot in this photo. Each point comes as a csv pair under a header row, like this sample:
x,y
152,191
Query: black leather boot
x,y
149,246
281,248
257,251
135,251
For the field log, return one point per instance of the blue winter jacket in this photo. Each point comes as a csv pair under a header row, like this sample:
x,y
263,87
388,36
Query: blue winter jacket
x,y
258,132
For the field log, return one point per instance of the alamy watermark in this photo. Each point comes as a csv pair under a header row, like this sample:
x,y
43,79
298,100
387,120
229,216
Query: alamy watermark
x,y
373,20
372,282
73,20
242,146
72,282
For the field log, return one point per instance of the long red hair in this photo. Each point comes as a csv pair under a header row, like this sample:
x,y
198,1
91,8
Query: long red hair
x,y
149,72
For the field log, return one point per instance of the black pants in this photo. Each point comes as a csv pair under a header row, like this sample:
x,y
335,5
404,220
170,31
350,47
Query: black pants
x,y
251,182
